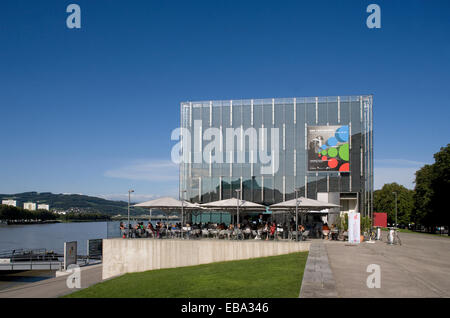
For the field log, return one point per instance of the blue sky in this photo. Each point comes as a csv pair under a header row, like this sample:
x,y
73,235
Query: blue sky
x,y
91,111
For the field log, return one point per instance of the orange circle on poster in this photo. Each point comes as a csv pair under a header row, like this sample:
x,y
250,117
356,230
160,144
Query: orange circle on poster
x,y
324,158
345,167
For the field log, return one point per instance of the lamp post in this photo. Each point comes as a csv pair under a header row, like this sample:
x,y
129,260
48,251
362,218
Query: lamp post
x,y
395,193
182,211
129,195
296,213
238,192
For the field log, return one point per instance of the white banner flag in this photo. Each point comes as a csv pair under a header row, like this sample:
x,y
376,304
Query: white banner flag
x,y
354,228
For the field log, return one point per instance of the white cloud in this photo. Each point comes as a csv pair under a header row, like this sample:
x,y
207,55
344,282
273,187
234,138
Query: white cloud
x,y
146,170
124,197
399,162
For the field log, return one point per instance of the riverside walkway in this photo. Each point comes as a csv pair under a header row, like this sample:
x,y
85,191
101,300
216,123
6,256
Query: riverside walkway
x,y
417,268
54,287
318,281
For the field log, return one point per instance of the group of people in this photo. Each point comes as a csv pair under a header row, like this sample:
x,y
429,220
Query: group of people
x,y
139,230
259,230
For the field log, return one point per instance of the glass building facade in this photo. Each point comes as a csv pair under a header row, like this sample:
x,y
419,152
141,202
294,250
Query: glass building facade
x,y
317,145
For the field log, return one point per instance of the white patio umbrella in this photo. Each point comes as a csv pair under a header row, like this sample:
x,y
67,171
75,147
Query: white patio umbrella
x,y
168,204
234,204
303,205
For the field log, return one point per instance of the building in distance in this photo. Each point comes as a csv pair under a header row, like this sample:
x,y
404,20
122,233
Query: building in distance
x,y
9,202
29,206
43,207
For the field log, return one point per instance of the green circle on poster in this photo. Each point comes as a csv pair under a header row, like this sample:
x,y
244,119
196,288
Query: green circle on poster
x,y
332,152
344,152
324,152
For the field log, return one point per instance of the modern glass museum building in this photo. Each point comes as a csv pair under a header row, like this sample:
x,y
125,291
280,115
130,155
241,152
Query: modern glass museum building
x,y
268,148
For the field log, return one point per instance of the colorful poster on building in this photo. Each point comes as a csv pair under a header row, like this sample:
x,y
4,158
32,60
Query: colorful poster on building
x,y
328,148
354,228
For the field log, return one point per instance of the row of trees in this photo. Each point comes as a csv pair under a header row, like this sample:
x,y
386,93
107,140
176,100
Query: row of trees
x,y
12,213
15,214
84,217
426,205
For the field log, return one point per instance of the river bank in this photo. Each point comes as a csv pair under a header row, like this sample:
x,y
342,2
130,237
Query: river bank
x,y
48,222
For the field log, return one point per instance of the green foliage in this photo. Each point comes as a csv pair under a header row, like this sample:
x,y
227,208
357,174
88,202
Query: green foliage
x,y
82,202
423,196
11,213
432,191
365,224
342,222
84,217
384,201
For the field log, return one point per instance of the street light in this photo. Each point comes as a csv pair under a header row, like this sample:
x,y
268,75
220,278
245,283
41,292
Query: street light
x,y
238,192
129,194
296,213
395,208
182,211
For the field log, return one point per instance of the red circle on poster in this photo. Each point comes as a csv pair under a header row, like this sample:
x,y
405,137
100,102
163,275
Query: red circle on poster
x,y
345,167
332,163
324,158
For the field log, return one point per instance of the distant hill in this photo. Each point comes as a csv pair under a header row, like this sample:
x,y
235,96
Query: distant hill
x,y
80,202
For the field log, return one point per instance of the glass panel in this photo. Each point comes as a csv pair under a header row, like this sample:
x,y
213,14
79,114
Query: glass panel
x,y
333,113
268,190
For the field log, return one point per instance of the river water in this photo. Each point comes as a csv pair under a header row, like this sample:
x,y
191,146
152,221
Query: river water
x,y
53,236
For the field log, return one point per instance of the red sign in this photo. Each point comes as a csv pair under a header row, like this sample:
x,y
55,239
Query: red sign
x,y
380,219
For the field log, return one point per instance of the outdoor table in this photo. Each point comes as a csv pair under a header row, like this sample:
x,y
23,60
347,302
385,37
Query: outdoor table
x,y
214,233
334,235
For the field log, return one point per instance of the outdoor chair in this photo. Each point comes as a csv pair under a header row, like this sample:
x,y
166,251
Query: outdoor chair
x,y
150,233
279,233
205,233
214,233
304,235
222,234
195,233
237,234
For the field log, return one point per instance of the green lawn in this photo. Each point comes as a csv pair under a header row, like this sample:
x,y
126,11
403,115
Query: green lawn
x,y
268,277
414,232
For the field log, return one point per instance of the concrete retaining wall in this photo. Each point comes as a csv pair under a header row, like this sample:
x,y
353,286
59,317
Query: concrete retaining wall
x,y
122,256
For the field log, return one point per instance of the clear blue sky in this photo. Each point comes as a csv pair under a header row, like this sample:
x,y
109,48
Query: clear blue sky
x,y
91,111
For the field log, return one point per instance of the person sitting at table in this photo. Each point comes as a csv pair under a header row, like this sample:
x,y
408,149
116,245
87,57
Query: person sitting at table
x,y
273,228
325,231
150,230
265,231
122,229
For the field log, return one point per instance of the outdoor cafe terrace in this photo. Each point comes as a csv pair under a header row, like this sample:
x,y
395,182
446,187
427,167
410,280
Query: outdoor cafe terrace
x,y
242,227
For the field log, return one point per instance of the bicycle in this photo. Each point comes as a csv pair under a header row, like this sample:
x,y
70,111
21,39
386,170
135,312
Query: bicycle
x,y
372,235
393,237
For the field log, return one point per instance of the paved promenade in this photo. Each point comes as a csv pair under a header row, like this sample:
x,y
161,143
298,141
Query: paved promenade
x,y
54,287
318,281
420,267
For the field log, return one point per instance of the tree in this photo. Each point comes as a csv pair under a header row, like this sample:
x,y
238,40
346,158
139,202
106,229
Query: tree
x,y
423,196
432,190
384,201
440,185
